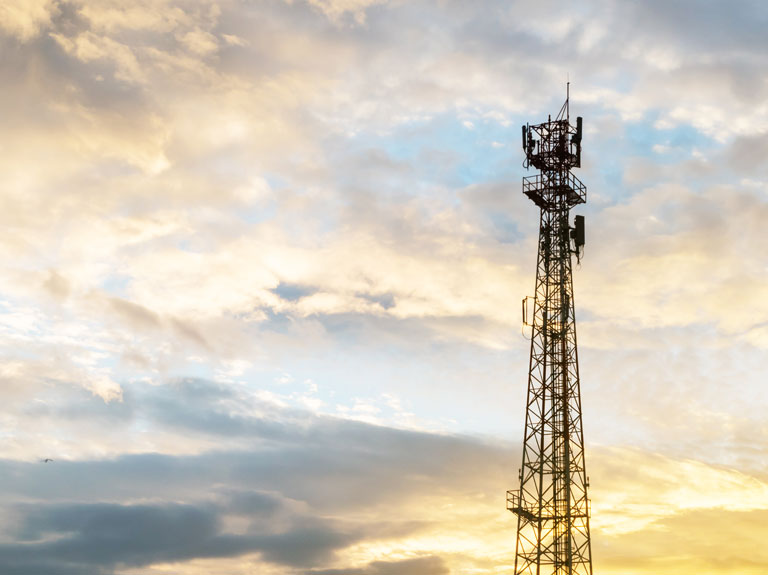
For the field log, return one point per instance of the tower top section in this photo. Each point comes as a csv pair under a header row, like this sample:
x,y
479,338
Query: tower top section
x,y
554,148
554,145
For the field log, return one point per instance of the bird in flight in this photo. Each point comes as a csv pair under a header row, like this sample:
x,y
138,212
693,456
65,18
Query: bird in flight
x,y
47,460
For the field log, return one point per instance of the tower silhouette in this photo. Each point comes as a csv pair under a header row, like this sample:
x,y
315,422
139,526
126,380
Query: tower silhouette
x,y
552,505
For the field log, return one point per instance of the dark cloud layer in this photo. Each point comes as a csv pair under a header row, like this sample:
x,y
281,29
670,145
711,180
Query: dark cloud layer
x,y
105,536
302,489
278,448
295,474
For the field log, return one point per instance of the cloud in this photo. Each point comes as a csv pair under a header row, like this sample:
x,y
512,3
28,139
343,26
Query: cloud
x,y
25,19
288,191
688,540
385,249
134,313
336,9
108,535
322,495
662,487
419,566
689,248
196,182
283,531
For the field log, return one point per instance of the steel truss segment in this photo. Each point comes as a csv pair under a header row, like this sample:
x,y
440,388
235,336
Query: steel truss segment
x,y
552,504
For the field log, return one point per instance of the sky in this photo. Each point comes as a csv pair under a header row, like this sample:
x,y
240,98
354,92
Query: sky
x,y
262,264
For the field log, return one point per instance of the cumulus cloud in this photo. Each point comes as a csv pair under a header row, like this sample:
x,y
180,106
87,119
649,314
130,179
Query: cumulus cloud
x,y
26,19
384,250
681,257
336,9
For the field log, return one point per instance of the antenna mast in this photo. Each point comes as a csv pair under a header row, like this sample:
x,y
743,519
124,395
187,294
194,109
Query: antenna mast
x,y
552,505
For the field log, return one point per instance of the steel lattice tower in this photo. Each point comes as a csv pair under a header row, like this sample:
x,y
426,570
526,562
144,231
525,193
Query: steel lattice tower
x,y
551,505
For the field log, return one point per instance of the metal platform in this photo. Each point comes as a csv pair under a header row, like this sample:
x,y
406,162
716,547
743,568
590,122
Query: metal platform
x,y
548,192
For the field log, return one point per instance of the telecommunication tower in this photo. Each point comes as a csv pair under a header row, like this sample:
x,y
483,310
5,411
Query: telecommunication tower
x,y
551,504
